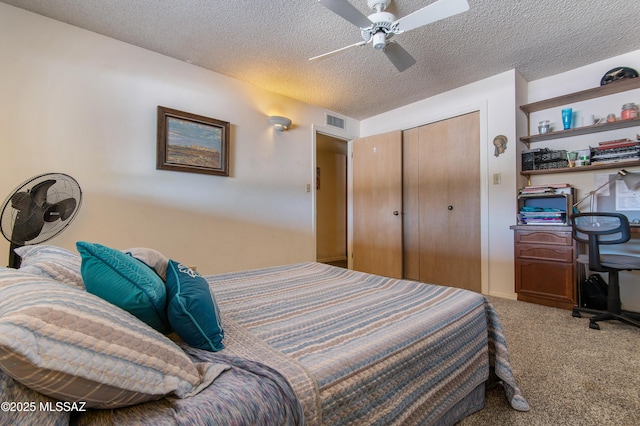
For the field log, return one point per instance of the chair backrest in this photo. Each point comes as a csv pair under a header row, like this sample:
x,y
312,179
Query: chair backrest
x,y
599,228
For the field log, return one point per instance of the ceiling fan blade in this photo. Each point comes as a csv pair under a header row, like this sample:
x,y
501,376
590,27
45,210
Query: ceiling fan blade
x,y
399,57
333,52
347,11
434,12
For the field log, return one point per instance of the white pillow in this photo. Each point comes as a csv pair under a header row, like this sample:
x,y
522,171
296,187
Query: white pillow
x,y
53,262
74,346
152,258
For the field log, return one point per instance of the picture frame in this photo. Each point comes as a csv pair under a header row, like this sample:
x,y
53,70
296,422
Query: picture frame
x,y
192,143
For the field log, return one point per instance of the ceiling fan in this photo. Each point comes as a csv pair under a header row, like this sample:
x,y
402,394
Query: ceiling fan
x,y
380,26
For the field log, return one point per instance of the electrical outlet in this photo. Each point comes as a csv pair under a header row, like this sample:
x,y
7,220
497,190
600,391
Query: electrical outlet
x,y
497,178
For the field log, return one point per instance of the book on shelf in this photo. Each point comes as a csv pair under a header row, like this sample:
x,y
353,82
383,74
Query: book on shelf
x,y
549,188
543,218
548,221
623,149
614,142
616,160
550,185
537,190
617,144
542,215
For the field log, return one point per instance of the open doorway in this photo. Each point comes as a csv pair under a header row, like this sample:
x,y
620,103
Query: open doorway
x,y
331,199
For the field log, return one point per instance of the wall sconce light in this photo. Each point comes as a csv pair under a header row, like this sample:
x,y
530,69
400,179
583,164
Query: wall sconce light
x,y
280,124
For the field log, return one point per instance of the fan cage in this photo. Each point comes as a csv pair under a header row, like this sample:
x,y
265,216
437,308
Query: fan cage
x,y
64,187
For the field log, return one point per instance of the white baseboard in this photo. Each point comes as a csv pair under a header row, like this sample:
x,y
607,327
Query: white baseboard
x,y
511,296
630,308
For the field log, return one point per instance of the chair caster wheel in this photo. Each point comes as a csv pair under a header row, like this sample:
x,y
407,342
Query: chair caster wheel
x,y
594,325
576,314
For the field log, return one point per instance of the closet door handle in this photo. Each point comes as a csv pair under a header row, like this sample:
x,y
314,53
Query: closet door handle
x,y
396,212
450,208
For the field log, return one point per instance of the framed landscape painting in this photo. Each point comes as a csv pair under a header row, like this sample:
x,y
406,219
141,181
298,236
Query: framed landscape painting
x,y
192,143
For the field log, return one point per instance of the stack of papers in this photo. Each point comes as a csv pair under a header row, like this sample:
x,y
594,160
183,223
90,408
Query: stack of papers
x,y
542,216
550,188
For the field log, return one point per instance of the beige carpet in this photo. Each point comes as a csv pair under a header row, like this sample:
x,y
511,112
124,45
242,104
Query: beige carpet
x,y
570,374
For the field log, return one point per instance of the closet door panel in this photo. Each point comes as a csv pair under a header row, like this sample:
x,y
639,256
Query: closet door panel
x,y
377,203
411,203
449,193
464,196
434,216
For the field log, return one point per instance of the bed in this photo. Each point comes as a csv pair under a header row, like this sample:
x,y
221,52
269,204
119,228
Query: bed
x,y
303,344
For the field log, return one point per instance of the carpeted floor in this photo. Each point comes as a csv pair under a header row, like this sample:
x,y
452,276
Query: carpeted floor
x,y
569,373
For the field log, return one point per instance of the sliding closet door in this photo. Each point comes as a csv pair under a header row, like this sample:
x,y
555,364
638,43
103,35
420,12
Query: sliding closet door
x,y
442,202
411,203
377,203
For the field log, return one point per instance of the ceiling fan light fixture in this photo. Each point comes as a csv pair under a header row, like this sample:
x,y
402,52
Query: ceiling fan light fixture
x,y
280,124
379,40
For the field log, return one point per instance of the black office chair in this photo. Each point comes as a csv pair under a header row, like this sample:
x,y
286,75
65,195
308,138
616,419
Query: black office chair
x,y
596,229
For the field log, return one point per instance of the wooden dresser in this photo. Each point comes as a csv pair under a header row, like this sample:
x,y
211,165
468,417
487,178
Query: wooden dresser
x,y
545,266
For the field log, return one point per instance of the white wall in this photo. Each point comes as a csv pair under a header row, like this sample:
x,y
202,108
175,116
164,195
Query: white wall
x,y
495,98
79,103
581,79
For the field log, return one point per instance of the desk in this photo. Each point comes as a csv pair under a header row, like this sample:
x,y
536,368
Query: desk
x,y
545,265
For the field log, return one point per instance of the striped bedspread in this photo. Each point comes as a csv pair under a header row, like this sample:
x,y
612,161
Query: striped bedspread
x,y
365,349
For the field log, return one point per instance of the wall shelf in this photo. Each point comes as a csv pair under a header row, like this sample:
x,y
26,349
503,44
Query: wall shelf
x,y
616,165
585,95
621,124
596,92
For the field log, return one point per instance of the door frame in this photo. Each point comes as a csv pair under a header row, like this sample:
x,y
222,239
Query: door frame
x,y
348,138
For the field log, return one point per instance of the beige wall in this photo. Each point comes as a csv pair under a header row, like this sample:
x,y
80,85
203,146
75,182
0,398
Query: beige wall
x,y
79,103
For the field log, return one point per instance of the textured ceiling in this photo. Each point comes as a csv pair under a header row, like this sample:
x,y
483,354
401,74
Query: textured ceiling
x,y
267,43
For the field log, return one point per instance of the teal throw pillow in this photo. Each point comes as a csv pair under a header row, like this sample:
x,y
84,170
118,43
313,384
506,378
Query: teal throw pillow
x,y
192,309
125,282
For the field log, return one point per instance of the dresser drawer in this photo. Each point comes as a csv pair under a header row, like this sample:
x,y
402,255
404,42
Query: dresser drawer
x,y
549,283
544,237
545,265
553,253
